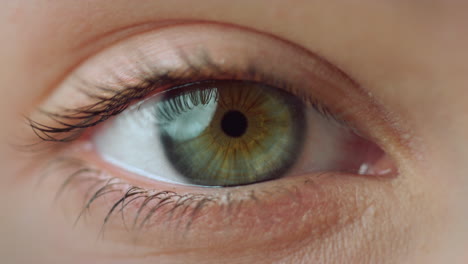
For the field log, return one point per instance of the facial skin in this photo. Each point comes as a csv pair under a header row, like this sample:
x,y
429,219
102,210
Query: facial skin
x,y
410,56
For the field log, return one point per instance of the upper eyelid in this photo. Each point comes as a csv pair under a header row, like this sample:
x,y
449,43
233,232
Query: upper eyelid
x,y
97,44
116,35
207,62
106,40
119,99
343,83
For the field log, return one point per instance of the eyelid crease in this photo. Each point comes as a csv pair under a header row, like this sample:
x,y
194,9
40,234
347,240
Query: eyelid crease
x,y
93,45
97,43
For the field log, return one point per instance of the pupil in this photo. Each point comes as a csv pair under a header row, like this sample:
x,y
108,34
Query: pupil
x,y
234,123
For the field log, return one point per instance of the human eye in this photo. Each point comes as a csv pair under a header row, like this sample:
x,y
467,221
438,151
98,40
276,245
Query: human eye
x,y
229,133
288,144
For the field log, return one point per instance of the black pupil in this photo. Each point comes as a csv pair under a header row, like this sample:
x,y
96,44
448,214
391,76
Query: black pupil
x,y
234,123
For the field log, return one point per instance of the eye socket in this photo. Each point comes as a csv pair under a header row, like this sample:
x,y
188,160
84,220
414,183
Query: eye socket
x,y
110,114
228,133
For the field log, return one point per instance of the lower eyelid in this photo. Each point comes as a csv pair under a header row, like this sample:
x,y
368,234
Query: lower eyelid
x,y
302,209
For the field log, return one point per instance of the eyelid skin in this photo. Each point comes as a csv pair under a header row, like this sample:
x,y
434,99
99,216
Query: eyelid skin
x,y
163,220
130,62
305,210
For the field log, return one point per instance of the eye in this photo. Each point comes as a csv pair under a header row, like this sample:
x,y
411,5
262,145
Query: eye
x,y
227,133
150,122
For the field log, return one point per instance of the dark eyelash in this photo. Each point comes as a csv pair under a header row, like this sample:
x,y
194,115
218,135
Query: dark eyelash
x,y
179,211
149,202
69,124
73,121
175,106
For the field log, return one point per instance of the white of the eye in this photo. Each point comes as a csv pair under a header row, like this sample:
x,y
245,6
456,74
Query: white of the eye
x,y
132,141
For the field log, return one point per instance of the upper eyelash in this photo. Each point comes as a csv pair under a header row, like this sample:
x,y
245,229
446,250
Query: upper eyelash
x,y
110,101
175,106
73,121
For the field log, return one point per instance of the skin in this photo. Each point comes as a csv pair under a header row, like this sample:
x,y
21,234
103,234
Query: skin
x,y
411,56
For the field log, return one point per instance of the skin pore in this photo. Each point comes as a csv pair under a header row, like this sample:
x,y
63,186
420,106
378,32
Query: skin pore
x,y
409,56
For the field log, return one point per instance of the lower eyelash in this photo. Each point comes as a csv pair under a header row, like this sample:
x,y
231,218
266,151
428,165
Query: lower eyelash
x,y
149,206
117,211
161,198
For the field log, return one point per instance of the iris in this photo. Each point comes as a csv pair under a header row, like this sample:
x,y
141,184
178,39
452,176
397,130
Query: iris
x,y
228,133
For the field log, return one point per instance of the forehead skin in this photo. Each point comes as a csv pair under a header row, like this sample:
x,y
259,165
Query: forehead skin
x,y
411,55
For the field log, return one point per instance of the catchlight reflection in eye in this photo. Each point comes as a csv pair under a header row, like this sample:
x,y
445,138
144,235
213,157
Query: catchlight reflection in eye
x,y
229,133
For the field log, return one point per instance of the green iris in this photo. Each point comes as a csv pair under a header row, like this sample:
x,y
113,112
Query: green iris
x,y
226,133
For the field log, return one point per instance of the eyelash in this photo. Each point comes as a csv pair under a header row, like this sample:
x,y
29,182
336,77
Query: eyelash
x,y
189,204
69,125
